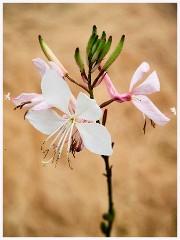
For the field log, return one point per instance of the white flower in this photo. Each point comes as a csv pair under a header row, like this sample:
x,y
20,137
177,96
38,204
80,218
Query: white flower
x,y
95,136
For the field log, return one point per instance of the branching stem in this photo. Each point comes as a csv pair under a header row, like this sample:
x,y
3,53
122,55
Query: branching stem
x,y
73,81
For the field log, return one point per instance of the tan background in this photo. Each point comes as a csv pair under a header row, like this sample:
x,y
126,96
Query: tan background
x,y
58,201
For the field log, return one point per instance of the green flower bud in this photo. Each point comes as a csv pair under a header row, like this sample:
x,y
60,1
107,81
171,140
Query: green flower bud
x,y
114,54
90,44
98,50
50,55
94,30
103,36
79,60
105,50
95,46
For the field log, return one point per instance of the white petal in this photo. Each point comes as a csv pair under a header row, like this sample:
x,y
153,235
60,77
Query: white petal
x,y
46,121
25,97
150,85
54,67
56,91
145,105
87,108
40,65
41,106
96,138
139,73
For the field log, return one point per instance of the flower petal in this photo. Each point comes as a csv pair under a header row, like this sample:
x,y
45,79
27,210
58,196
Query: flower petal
x,y
145,105
87,108
150,85
56,91
46,121
111,88
96,138
41,106
25,97
54,67
139,73
41,65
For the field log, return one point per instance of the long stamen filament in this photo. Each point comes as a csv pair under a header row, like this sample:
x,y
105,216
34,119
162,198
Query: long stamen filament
x,y
55,131
62,142
51,159
60,132
69,140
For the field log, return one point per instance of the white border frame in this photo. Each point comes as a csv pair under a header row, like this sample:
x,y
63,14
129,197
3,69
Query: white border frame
x,y
1,107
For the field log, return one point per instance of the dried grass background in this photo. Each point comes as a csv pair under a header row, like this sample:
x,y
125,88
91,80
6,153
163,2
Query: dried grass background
x,y
48,201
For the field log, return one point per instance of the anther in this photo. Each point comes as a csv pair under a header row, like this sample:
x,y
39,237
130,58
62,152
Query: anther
x,y
25,114
144,128
22,104
153,123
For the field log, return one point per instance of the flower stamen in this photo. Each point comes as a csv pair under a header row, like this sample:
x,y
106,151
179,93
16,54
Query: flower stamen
x,y
22,105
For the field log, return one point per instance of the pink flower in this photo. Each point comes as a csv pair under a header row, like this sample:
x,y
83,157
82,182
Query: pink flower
x,y
137,95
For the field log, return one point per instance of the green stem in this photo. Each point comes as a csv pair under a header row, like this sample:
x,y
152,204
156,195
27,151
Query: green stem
x,y
89,83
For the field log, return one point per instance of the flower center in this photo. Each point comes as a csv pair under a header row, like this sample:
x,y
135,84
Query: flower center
x,y
72,119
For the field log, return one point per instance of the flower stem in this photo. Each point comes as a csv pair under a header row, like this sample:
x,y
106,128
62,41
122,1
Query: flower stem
x,y
110,215
80,85
89,83
108,218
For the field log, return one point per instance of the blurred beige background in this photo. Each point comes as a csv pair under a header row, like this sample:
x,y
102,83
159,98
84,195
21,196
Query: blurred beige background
x,y
59,201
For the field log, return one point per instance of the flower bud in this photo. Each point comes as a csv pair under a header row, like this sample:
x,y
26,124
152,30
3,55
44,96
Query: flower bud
x,y
94,29
114,54
105,50
50,55
104,227
79,60
98,50
90,44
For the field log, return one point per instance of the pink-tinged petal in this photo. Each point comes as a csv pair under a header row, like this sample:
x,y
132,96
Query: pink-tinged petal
x,y
41,106
145,105
77,142
112,90
46,121
25,97
41,65
139,73
56,91
150,85
54,67
72,105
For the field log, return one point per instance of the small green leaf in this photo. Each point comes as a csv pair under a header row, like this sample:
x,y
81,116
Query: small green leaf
x,y
79,60
104,228
114,54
